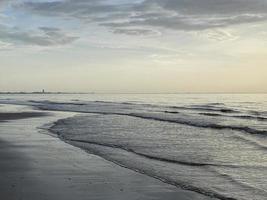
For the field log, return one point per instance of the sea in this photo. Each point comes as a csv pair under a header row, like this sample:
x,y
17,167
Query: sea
x,y
213,144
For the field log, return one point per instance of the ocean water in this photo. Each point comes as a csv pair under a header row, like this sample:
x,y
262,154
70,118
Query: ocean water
x,y
213,144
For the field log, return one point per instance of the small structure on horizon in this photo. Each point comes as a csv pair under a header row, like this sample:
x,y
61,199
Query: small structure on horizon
x,y
43,91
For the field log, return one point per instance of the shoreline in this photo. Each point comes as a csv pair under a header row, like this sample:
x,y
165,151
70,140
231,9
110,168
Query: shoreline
x,y
39,166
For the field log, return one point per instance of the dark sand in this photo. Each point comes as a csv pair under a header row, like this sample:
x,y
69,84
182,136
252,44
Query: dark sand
x,y
20,115
37,166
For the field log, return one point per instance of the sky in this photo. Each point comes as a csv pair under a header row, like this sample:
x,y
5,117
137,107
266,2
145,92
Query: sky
x,y
133,46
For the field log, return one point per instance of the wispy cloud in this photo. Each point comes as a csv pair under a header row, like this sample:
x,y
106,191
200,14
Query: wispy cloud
x,y
136,31
186,15
45,36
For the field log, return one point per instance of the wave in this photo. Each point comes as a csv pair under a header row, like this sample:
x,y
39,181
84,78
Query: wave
x,y
171,112
111,102
239,182
210,107
212,114
96,109
157,158
250,141
58,103
154,116
235,116
258,113
207,108
201,124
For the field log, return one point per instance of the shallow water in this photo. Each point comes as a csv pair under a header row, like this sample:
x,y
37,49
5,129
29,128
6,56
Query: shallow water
x,y
212,144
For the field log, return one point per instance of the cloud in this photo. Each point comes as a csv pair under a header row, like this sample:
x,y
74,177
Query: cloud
x,y
136,31
4,46
191,15
45,36
213,7
138,17
82,9
4,1
218,35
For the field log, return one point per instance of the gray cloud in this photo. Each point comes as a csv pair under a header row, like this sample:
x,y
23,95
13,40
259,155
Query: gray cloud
x,y
4,1
82,9
188,23
136,18
213,7
46,36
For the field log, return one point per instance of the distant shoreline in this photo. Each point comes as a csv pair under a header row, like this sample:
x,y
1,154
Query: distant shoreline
x,y
193,93
47,93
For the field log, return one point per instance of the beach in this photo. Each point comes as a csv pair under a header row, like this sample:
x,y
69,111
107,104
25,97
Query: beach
x,y
143,146
35,164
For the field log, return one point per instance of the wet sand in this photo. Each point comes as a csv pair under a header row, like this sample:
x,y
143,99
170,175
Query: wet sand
x,y
20,115
35,165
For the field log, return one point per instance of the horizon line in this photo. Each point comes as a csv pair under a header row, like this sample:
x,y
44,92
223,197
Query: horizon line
x,y
34,92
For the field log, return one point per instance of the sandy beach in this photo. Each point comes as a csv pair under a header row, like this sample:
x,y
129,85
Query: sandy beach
x,y
35,165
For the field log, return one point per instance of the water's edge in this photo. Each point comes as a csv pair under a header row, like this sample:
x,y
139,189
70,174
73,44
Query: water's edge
x,y
209,194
